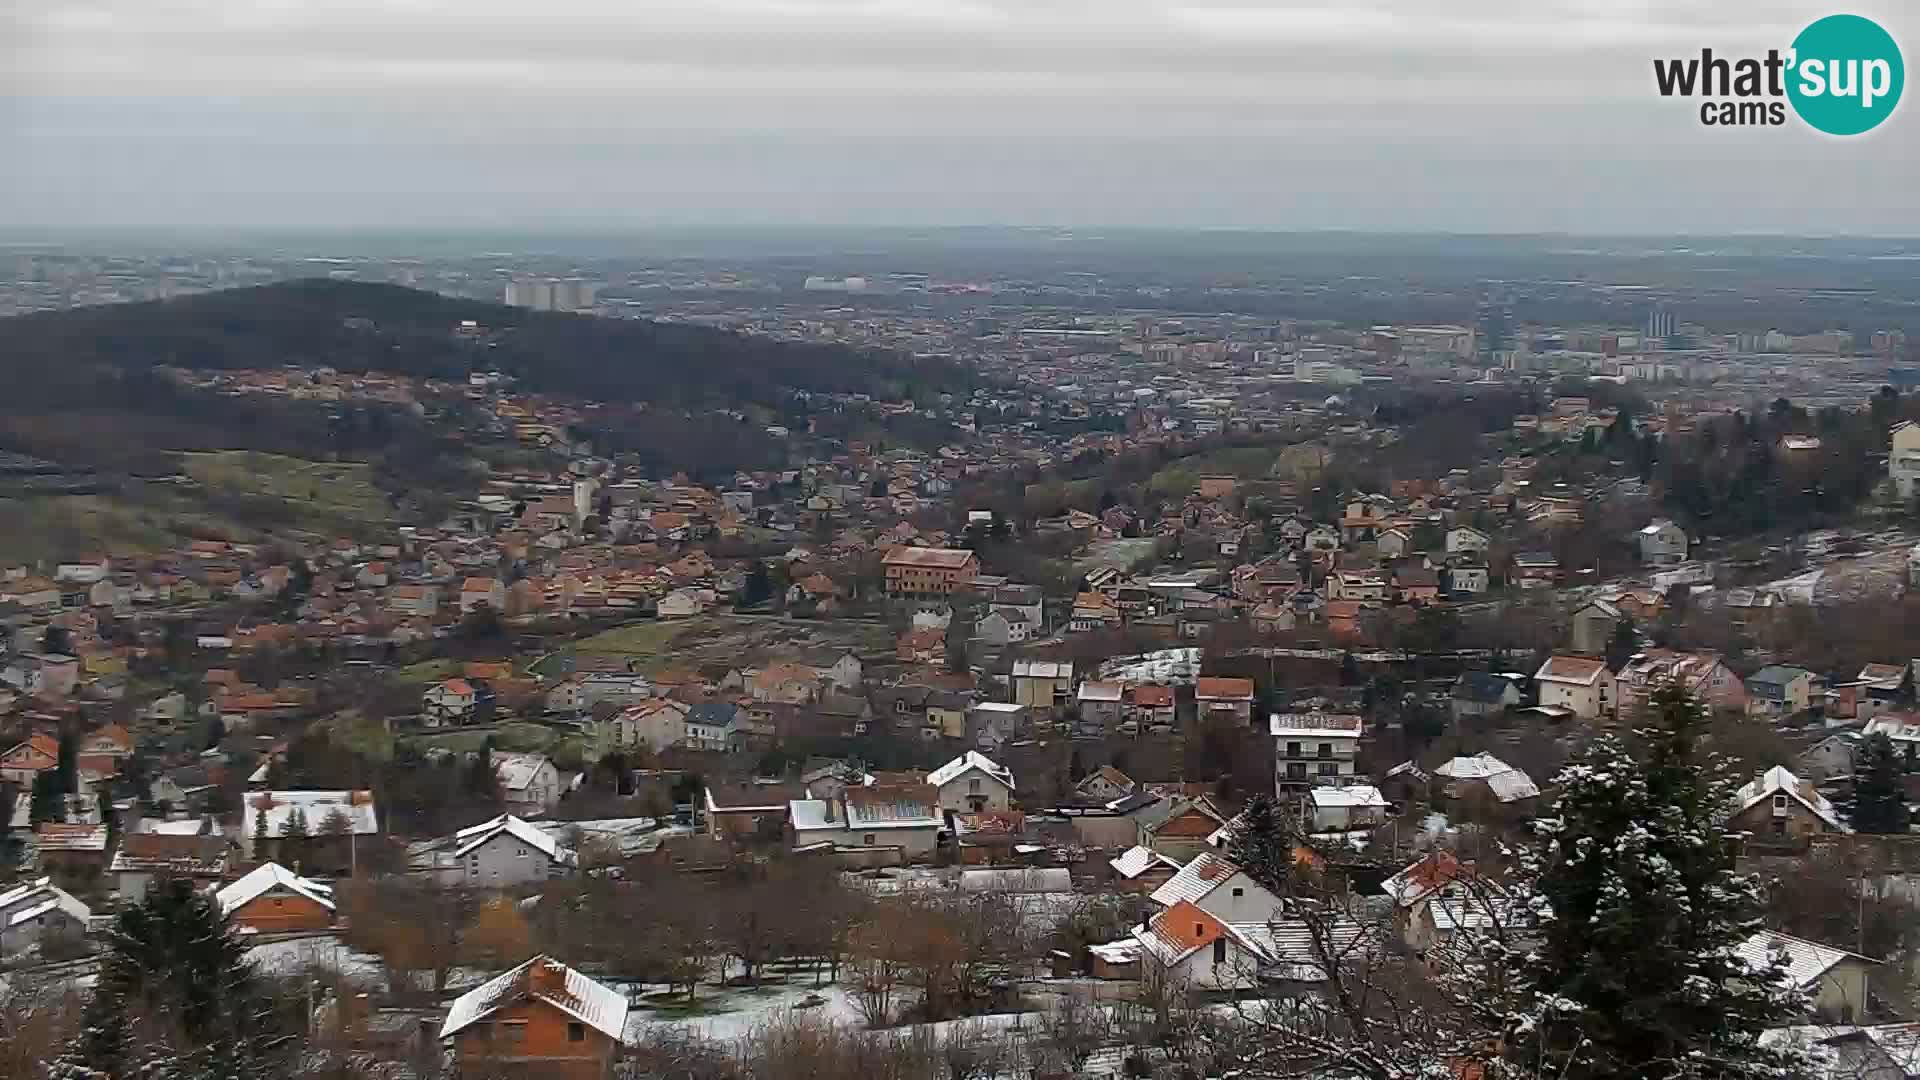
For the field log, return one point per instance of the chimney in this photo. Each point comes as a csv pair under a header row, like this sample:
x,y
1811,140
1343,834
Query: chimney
x,y
546,977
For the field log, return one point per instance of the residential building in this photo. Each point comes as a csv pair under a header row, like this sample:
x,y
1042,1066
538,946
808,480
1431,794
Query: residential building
x,y
1593,626
902,816
483,592
270,899
539,1019
1778,805
1662,543
1702,674
1578,684
38,909
1104,784
1211,882
73,854
1100,704
973,783
448,703
1314,749
529,783
1179,828
753,811
353,812
1223,698
1485,780
1140,869
1042,684
1484,693
654,725
1338,809
1464,540
506,852
1534,570
1364,585
1903,460
1834,980
1780,690
919,572
144,858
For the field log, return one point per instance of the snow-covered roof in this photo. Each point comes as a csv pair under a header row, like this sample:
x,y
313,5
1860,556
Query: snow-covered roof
x,y
1139,859
265,878
810,814
972,759
1424,877
1359,795
1780,781
599,1007
1806,960
1315,725
28,901
1196,879
1478,767
1018,880
518,771
1512,786
474,836
316,806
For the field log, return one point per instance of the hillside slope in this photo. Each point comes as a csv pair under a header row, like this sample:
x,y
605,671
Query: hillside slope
x,y
355,326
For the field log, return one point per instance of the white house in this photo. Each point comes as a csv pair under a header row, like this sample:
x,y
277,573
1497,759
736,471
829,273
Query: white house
x,y
1462,539
1215,885
1662,543
1903,460
448,702
505,852
1341,808
37,908
880,815
1197,950
354,808
1834,980
1581,685
529,783
972,783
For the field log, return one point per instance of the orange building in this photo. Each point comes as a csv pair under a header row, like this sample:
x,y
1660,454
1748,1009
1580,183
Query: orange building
x,y
271,899
921,571
542,1019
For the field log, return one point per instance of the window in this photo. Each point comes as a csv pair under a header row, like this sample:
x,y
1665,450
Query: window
x,y
514,1030
1326,749
1219,950
1293,749
1780,802
973,787
867,839
483,1031
1296,770
1239,892
576,1032
1328,768
1779,826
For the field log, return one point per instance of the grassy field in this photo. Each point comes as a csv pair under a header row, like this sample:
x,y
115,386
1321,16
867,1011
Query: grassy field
x,y
318,492
635,639
1183,475
428,671
140,519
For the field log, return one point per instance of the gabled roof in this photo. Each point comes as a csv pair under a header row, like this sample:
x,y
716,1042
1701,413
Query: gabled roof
x,y
1806,960
1779,781
1195,880
1137,860
1359,795
265,878
1425,877
541,979
474,836
1579,670
1223,688
972,759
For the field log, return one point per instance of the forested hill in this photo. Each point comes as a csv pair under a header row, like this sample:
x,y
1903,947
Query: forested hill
x,y
354,326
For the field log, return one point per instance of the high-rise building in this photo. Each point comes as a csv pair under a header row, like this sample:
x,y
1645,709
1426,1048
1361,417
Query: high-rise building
x,y
1493,330
535,293
1659,325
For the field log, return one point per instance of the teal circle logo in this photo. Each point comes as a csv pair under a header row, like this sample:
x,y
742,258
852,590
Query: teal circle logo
x,y
1846,75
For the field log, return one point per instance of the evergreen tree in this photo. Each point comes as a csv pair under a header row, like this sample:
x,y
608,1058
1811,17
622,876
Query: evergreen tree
x,y
1635,973
1623,644
175,997
48,804
261,840
67,765
1879,797
1262,842
293,838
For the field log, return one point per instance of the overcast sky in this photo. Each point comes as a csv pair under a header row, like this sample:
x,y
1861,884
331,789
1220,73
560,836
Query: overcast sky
x,y
1463,115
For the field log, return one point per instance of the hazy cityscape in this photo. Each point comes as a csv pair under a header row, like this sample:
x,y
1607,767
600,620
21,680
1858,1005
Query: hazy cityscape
x,y
958,540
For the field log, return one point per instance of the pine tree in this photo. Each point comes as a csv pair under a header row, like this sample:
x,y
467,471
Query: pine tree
x,y
1262,842
1879,796
1640,910
48,804
173,973
293,838
261,839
